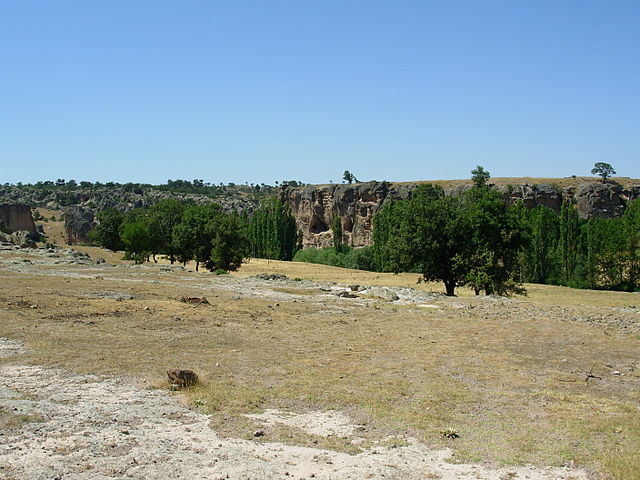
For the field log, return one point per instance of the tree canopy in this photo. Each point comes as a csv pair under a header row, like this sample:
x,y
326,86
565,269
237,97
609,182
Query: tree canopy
x,y
604,170
470,239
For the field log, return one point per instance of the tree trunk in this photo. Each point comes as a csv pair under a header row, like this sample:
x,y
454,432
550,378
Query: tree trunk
x,y
450,287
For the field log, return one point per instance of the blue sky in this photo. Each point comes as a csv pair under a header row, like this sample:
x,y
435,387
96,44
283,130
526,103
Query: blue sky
x,y
258,91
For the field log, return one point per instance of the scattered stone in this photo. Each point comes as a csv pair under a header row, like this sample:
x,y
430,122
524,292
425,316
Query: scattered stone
x,y
271,276
346,294
258,433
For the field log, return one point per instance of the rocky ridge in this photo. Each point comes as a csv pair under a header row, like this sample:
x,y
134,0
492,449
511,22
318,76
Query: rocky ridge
x,y
314,207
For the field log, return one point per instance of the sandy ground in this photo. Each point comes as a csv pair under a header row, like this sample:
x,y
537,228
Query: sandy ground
x,y
105,428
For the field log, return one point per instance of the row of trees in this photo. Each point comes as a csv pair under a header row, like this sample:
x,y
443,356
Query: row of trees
x,y
601,253
206,234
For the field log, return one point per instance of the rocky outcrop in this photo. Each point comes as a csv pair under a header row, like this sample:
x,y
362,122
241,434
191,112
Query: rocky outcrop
x,y
120,197
315,207
601,200
19,238
16,217
78,222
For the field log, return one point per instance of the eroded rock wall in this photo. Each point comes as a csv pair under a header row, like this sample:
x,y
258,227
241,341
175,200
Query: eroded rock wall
x,y
78,222
315,206
16,217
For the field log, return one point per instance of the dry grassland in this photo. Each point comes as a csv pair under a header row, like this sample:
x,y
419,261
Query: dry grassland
x,y
509,376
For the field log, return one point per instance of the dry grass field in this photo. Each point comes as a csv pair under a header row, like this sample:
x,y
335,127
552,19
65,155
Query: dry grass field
x,y
550,379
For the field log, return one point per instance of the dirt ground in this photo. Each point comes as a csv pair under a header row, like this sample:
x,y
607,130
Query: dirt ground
x,y
307,372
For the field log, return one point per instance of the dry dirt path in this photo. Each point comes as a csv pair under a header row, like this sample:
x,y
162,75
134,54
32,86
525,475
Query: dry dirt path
x,y
105,428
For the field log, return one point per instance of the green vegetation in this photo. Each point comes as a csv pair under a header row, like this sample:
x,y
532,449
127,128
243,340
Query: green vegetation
x,y
205,234
469,239
604,170
345,257
479,176
598,253
272,231
349,177
336,230
107,232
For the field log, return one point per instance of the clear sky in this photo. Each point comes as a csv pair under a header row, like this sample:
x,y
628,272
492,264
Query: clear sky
x,y
258,91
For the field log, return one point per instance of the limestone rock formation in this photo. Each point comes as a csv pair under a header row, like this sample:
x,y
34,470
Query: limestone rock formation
x,y
78,222
19,238
314,207
14,217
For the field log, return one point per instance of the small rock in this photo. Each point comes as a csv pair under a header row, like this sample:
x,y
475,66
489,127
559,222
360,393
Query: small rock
x,y
258,433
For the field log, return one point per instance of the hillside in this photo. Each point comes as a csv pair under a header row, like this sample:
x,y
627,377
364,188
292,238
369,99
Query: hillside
x,y
313,206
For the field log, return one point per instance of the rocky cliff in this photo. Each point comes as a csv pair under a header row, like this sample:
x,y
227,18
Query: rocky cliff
x,y
78,222
16,217
315,207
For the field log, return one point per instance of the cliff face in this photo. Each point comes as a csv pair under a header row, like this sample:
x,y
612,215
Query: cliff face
x,y
16,217
78,222
315,207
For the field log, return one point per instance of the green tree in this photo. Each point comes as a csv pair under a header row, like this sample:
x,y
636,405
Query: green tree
x,y
272,231
211,237
336,228
472,239
422,233
479,176
228,242
107,232
495,237
631,221
162,218
604,170
541,257
568,242
190,239
349,177
605,253
136,239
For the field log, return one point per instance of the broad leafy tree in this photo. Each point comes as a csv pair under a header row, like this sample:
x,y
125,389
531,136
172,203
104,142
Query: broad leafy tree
x,y
162,218
603,170
107,232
